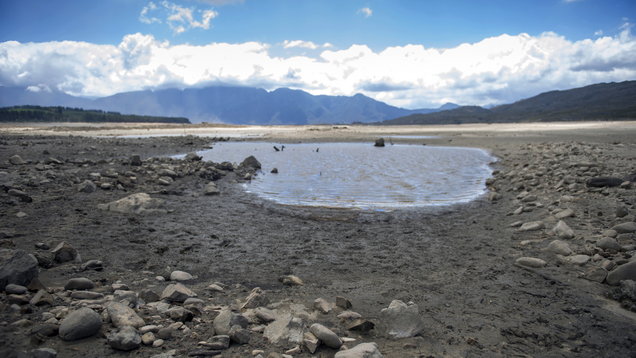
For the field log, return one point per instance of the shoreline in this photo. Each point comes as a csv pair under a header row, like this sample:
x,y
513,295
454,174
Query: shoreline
x,y
458,264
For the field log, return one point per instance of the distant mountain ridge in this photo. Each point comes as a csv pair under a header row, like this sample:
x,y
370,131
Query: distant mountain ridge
x,y
602,101
227,104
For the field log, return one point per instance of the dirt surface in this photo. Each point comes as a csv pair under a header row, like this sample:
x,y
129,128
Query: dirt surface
x,y
456,263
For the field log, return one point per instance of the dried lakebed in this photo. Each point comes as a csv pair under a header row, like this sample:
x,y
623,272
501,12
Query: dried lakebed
x,y
528,270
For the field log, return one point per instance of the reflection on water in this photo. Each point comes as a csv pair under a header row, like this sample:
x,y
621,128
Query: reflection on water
x,y
359,175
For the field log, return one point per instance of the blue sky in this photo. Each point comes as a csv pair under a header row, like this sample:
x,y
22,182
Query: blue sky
x,y
451,47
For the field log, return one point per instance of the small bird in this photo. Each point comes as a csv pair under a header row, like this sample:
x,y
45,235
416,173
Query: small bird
x,y
317,149
282,148
276,149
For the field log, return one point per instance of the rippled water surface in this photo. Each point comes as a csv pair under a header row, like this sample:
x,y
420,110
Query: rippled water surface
x,y
359,175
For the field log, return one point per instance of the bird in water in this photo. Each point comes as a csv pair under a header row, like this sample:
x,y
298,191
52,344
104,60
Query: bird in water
x,y
276,149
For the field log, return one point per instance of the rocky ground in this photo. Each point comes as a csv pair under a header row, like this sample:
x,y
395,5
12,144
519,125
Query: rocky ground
x,y
188,264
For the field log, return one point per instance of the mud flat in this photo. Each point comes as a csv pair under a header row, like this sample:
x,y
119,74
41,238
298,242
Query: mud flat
x,y
542,265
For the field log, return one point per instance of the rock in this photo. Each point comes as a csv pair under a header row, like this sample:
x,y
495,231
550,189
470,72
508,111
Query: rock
x,y
140,203
239,335
349,316
125,296
625,228
402,320
327,336
291,280
274,171
343,303
628,289
532,226
564,214
13,289
250,163
148,338
193,157
165,333
600,182
596,274
149,295
621,211
203,353
44,353
563,231
609,244
265,315
17,267
219,342
623,272
361,325
532,262
379,142
321,305
211,189
79,324
177,293
559,247
95,265
87,186
86,295
121,315
180,314
64,252
135,160
311,342
125,339
42,298
286,330
24,197
255,299
16,160
166,180
180,276
362,350
226,319
579,259
79,283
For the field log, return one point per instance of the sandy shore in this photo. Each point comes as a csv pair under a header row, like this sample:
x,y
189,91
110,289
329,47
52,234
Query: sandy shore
x,y
461,264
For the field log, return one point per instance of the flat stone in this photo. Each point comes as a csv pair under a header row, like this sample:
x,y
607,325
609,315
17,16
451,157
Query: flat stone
x,y
17,267
286,330
360,325
265,315
204,353
140,203
362,350
125,339
563,231
327,336
564,214
177,293
219,342
291,280
121,315
596,274
532,226
226,319
79,283
579,259
623,272
311,342
95,265
600,182
180,276
401,320
321,305
608,244
79,324
256,298
560,247
625,228
15,289
86,295
44,353
532,262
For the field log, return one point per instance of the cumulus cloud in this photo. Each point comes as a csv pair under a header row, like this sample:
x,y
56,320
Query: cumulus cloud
x,y
495,70
365,11
304,44
179,18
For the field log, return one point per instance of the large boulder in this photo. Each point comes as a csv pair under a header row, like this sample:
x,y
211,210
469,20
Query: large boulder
x,y
623,272
140,203
80,324
402,320
362,350
17,267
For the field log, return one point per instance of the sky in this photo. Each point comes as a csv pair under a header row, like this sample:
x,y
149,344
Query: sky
x,y
408,53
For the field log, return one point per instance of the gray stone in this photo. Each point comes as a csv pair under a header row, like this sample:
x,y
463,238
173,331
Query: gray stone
x,y
125,339
532,226
140,203
177,293
291,280
265,315
165,180
625,228
16,160
24,197
15,289
250,163
564,214
286,330
327,336
560,247
321,305
148,338
311,342
79,324
402,320
219,342
579,259
362,350
42,298
361,325
87,186
600,182
256,298
17,267
563,231
379,142
596,274
180,276
44,353
239,335
621,211
149,295
193,157
226,319
343,303
126,296
532,262
86,295
92,265
64,252
211,189
623,272
608,244
180,314
79,283
122,315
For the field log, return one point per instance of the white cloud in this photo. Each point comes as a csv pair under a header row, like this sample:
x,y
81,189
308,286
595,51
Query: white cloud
x,y
495,70
365,11
179,18
221,2
304,44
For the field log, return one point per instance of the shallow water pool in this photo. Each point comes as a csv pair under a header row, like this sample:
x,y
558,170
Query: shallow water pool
x,y
359,175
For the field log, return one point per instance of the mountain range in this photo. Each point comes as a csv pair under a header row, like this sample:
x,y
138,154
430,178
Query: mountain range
x,y
602,101
226,104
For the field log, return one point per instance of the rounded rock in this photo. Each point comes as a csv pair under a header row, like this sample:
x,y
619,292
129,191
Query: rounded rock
x,y
80,324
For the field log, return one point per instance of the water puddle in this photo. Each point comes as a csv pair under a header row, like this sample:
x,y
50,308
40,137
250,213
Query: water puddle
x,y
359,175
